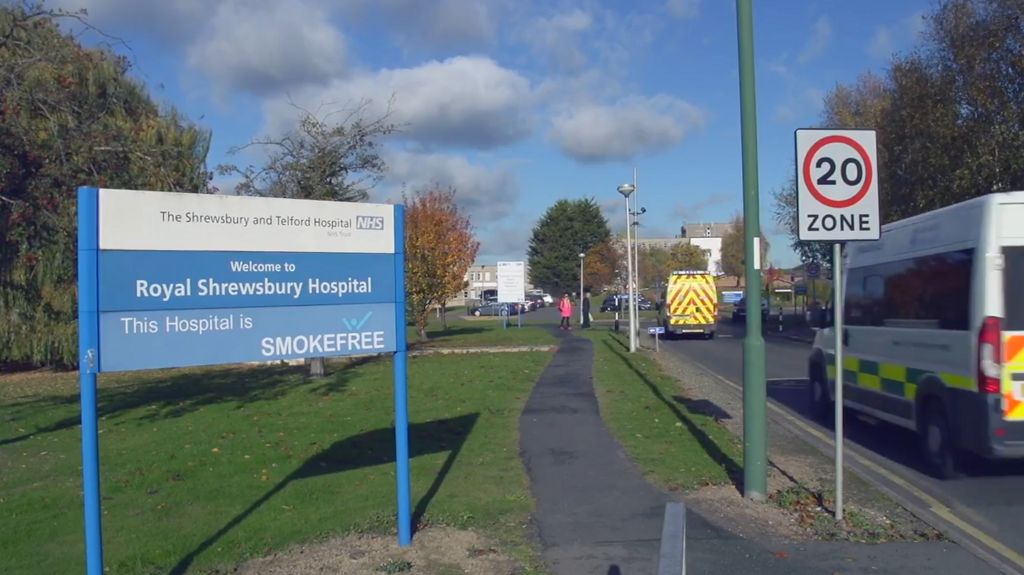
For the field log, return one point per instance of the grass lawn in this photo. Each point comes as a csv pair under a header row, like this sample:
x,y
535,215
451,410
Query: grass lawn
x,y
202,469
675,447
485,332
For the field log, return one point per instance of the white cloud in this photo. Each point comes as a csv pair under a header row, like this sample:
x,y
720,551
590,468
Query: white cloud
x,y
262,49
695,210
683,8
556,40
821,33
167,21
881,44
461,101
599,133
438,24
504,242
486,194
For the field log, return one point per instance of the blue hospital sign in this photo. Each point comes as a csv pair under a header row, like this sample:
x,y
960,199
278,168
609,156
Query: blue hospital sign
x,y
196,279
173,280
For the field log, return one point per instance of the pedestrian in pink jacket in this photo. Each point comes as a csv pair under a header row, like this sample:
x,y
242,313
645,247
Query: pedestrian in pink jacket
x,y
565,307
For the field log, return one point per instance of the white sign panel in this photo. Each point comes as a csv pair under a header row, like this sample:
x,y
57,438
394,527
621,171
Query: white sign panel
x,y
837,185
511,282
165,221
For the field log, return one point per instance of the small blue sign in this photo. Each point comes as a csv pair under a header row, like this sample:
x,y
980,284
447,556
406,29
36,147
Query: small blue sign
x,y
813,269
656,330
152,280
731,296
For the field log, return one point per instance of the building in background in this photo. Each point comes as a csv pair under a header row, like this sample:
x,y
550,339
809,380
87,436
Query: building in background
x,y
707,236
479,278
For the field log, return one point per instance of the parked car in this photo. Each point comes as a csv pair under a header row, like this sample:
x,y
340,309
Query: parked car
x,y
490,308
739,310
643,303
610,303
495,308
620,302
536,300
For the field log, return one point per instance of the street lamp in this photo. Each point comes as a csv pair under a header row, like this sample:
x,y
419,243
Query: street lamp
x,y
637,212
626,190
582,255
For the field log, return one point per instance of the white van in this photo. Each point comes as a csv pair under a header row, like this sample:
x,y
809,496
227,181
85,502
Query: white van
x,y
934,330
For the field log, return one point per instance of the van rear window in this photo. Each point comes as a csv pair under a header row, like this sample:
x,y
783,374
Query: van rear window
x,y
927,292
1013,287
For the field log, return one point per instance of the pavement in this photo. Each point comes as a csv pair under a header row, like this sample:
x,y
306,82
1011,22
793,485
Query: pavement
x,y
596,514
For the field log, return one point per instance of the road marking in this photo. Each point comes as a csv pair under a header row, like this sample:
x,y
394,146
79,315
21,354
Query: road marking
x,y
934,505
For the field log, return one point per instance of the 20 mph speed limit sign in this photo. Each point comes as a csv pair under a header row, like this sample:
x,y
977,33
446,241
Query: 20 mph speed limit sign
x,y
837,185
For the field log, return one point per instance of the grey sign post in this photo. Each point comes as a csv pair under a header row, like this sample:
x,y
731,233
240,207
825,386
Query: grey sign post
x,y
837,201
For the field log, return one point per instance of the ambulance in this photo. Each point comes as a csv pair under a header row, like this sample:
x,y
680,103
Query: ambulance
x,y
689,304
933,332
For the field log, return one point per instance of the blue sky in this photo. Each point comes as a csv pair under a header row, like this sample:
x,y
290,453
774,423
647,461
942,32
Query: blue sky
x,y
518,103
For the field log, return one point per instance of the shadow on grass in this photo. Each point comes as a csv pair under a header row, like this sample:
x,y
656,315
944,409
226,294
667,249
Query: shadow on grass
x,y
184,393
367,449
733,469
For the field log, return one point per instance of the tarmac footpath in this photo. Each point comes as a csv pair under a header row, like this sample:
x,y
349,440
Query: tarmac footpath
x,y
595,513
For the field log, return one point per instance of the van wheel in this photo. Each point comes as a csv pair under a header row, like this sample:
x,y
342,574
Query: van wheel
x,y
822,407
710,335
939,452
476,313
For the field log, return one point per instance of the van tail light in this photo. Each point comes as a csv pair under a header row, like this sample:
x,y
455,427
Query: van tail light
x,y
990,355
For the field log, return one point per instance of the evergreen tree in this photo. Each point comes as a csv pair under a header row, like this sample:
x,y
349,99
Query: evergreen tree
x,y
567,229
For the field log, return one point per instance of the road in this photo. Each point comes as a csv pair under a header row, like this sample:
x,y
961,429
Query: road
x,y
990,497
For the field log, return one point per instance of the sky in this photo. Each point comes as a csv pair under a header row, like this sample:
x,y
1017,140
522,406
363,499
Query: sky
x,y
518,103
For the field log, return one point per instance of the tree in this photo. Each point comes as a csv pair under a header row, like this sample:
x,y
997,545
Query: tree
x,y
600,265
949,116
567,229
69,117
439,248
687,257
657,263
734,251
319,159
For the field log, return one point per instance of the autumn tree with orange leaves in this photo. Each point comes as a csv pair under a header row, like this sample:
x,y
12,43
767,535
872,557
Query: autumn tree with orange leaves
x,y
601,264
439,248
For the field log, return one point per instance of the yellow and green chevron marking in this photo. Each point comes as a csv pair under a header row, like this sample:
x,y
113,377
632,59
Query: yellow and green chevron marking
x,y
890,378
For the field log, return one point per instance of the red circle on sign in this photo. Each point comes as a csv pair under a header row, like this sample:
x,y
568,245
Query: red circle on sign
x,y
868,174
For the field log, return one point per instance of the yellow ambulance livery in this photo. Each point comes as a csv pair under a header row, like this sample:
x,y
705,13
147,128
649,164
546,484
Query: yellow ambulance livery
x,y
690,304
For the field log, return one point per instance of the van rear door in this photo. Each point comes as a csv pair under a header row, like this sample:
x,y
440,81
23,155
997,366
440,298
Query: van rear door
x,y
1013,330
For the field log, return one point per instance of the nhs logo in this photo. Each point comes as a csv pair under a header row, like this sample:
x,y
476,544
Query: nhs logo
x,y
369,223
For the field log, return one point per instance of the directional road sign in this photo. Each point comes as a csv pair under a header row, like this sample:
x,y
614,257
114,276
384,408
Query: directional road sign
x,y
837,185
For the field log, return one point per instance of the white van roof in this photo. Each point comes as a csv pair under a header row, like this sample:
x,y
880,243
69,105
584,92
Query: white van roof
x,y
953,227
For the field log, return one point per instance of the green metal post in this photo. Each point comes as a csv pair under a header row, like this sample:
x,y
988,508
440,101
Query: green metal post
x,y
755,477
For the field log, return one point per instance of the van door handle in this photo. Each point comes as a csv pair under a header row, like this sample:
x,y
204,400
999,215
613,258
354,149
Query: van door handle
x,y
846,337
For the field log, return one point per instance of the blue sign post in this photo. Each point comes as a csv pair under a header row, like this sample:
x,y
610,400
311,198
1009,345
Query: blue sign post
x,y
173,280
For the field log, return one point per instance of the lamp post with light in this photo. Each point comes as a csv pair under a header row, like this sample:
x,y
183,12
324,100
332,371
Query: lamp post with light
x,y
582,255
626,190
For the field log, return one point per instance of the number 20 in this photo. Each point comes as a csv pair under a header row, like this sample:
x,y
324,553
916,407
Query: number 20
x,y
826,178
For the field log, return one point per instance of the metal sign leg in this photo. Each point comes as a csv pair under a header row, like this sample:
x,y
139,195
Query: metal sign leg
x,y
837,294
